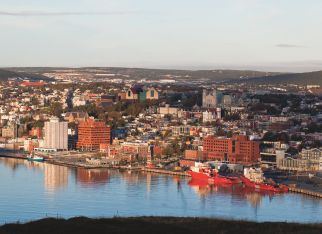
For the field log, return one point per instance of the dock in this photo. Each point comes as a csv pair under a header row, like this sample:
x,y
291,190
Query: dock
x,y
306,192
13,155
161,171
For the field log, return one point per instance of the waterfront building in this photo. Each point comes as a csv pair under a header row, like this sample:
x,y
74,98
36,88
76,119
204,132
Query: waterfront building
x,y
91,134
10,131
238,149
314,156
56,134
35,132
298,164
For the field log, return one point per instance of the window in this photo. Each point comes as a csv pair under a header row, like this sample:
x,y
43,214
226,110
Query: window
x,y
152,93
129,93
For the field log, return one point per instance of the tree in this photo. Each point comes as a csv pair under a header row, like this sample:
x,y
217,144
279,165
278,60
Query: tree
x,y
56,109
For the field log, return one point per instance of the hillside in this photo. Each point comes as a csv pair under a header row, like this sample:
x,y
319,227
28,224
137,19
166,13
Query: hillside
x,y
7,74
308,78
156,225
151,74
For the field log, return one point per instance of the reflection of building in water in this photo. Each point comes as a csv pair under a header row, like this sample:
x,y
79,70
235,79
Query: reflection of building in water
x,y
14,163
55,176
92,176
148,182
255,199
130,177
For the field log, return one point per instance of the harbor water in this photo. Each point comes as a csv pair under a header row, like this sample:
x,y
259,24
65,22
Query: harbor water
x,y
31,190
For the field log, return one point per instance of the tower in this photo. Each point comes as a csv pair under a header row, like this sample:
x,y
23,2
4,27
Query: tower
x,y
209,98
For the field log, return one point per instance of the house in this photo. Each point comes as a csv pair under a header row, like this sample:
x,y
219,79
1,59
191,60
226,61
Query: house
x,y
75,117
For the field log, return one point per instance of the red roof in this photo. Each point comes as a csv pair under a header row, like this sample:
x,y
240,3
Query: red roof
x,y
30,83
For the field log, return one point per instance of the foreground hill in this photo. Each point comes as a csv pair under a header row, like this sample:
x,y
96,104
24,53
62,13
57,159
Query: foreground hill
x,y
8,74
308,78
156,225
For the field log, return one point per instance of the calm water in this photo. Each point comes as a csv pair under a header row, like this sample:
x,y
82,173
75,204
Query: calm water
x,y
35,190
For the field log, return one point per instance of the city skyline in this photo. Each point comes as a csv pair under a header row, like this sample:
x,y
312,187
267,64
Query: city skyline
x,y
251,34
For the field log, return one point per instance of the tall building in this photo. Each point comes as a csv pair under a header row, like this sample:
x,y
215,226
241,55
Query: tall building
x,y
238,149
91,134
56,134
209,98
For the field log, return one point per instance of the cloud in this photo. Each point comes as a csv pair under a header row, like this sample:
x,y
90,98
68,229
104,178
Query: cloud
x,y
64,13
289,46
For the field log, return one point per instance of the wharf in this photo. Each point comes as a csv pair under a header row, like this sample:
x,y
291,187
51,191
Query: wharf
x,y
161,171
13,155
306,192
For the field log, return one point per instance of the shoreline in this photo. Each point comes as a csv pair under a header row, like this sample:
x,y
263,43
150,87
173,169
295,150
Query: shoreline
x,y
88,166
156,225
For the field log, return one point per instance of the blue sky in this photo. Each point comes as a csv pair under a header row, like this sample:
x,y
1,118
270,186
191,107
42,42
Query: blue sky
x,y
280,35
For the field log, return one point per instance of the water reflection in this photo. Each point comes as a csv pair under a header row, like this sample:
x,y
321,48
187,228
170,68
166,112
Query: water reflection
x,y
89,177
55,177
252,196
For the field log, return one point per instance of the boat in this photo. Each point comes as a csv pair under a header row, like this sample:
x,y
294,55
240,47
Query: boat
x,y
206,173
35,158
253,178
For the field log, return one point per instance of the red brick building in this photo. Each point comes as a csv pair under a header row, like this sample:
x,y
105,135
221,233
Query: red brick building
x,y
91,134
35,132
238,149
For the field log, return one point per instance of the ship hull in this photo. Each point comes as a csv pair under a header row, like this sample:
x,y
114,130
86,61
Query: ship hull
x,y
37,159
262,186
215,179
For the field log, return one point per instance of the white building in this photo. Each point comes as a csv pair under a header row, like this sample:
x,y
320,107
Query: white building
x,y
211,116
56,134
167,110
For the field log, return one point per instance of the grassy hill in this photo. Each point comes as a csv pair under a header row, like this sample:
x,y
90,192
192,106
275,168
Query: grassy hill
x,y
157,225
308,78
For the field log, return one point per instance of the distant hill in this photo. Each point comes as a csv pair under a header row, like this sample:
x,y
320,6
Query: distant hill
x,y
152,74
7,74
308,78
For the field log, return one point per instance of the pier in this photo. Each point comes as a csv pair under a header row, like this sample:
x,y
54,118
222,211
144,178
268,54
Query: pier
x,y
305,191
5,154
161,171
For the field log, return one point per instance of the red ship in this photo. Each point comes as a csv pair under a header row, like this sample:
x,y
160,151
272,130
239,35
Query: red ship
x,y
253,178
206,173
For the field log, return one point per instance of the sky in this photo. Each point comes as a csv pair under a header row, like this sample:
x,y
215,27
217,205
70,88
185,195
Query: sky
x,y
269,35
